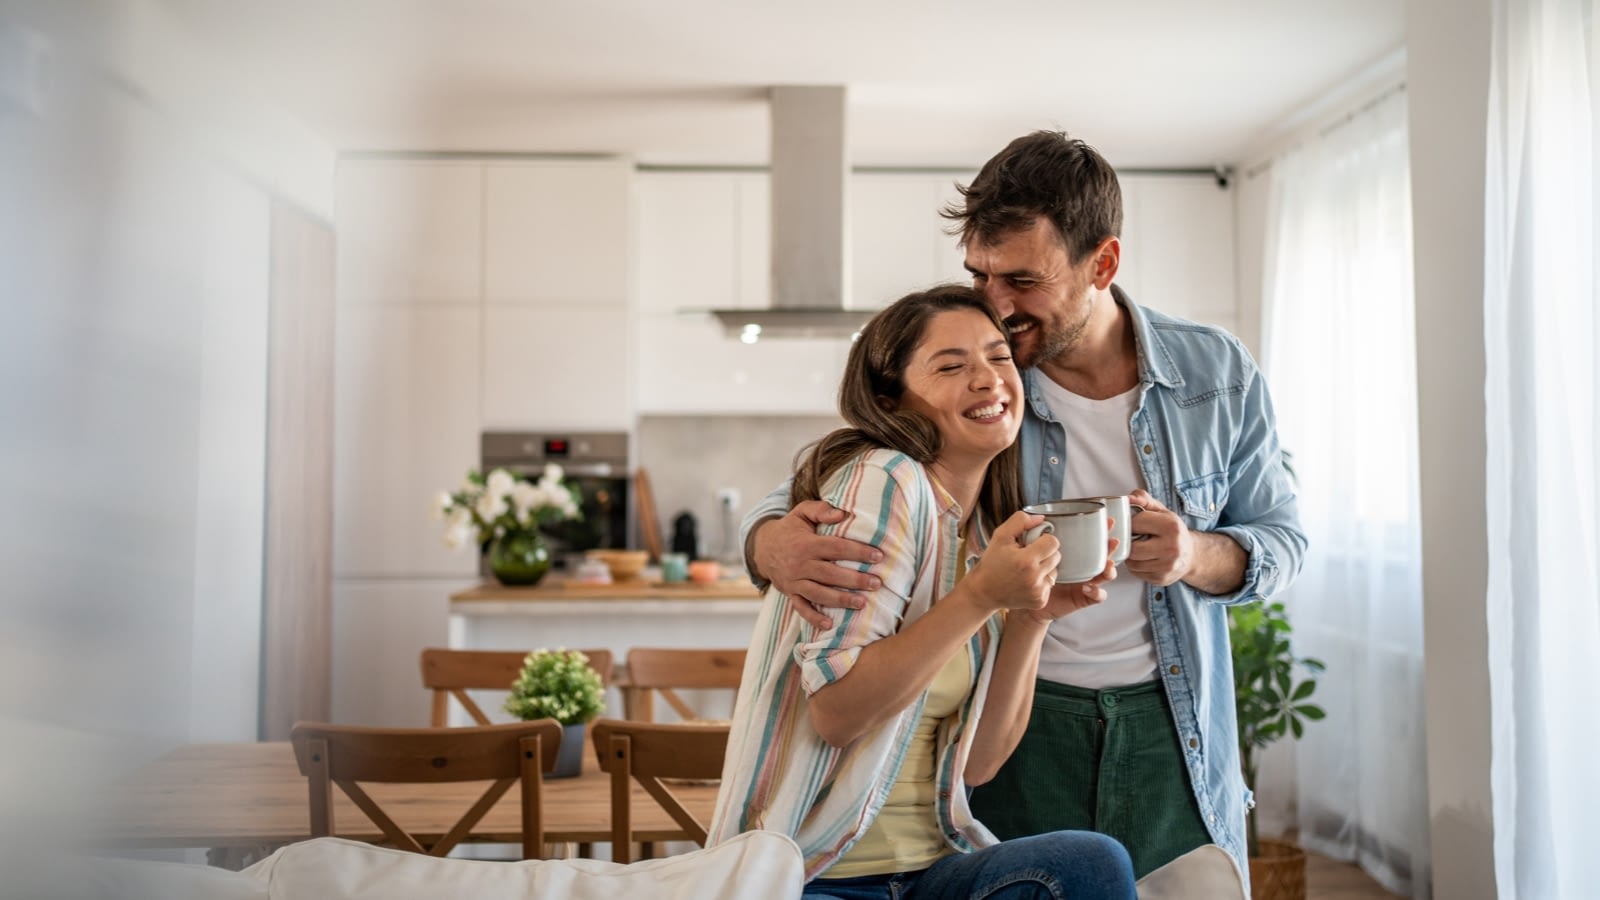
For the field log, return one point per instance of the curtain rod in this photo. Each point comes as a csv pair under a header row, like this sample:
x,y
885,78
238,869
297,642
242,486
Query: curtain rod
x,y
1220,174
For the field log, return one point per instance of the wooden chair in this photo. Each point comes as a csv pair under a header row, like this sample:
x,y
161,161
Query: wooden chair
x,y
657,669
648,752
454,672
346,755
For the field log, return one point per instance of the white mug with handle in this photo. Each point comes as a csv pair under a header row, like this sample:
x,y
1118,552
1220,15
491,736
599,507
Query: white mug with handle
x,y
1080,527
1121,512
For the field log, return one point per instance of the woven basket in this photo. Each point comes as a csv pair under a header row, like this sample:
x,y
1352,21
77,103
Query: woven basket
x,y
1279,873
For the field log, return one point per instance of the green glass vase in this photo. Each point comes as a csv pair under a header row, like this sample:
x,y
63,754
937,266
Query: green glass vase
x,y
519,558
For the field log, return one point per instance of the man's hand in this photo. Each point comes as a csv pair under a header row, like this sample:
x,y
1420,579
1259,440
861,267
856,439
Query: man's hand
x,y
1163,547
1165,551
804,565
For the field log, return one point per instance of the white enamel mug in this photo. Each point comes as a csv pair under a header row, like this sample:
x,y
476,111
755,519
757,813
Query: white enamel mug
x,y
1121,513
1080,526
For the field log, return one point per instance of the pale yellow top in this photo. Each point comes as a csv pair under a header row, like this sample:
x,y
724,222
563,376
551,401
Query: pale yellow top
x,y
905,836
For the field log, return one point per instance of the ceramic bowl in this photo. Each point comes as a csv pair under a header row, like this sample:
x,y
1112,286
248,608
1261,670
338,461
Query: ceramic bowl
x,y
625,565
704,571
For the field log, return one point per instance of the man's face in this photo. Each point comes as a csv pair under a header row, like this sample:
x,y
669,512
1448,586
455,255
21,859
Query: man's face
x,y
1044,300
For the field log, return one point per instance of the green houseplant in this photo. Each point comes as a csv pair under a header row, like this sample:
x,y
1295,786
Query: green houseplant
x,y
1271,703
560,685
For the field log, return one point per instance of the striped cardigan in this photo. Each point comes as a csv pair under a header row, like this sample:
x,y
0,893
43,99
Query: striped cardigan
x,y
779,775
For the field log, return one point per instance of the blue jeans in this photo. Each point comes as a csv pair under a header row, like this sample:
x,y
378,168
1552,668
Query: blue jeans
x,y
1058,865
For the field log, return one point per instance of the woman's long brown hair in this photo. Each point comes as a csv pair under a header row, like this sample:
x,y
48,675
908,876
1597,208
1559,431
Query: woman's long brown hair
x,y
874,378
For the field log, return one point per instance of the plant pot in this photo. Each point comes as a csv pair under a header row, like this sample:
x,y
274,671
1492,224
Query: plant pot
x,y
519,558
569,761
1279,873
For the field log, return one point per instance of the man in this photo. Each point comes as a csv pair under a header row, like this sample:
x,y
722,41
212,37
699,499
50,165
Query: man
x,y
1132,730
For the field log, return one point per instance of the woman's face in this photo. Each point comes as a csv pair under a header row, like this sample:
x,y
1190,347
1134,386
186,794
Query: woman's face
x,y
961,377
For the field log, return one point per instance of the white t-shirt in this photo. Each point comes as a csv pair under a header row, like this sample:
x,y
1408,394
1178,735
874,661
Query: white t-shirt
x,y
1109,645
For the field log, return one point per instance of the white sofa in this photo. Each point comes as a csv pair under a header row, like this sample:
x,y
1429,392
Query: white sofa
x,y
759,864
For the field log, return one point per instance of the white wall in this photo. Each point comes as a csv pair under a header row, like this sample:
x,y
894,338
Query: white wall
x,y
1448,50
1250,198
230,468
133,254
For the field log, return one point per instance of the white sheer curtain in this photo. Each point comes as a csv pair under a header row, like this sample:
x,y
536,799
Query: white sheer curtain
x,y
1340,356
1542,394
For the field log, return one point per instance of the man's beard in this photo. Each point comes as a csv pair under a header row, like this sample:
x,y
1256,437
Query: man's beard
x,y
1049,340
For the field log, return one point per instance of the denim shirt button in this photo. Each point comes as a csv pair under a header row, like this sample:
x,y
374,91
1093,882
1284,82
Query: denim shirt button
x,y
1193,743
1054,461
1173,669
1148,449
1158,596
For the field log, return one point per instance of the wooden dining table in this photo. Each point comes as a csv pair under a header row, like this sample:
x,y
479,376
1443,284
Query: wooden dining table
x,y
252,796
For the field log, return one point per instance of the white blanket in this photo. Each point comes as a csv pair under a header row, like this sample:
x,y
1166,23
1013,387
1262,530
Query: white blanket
x,y
759,864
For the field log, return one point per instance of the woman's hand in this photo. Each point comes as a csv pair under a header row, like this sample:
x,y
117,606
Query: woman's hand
x,y
1013,575
1065,599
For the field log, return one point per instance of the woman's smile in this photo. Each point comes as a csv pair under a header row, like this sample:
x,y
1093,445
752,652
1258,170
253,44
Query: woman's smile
x,y
962,379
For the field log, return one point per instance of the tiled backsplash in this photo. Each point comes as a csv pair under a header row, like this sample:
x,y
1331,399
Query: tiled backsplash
x,y
690,458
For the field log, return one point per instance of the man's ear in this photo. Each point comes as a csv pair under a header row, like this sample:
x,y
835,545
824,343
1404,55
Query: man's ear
x,y
1107,259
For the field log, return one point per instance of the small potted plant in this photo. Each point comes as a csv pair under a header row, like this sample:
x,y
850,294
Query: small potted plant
x,y
1270,705
560,685
502,515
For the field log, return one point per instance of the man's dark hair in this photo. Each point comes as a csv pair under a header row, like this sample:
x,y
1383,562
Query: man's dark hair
x,y
1044,173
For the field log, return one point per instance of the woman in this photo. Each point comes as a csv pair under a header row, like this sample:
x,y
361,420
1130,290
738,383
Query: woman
x,y
860,741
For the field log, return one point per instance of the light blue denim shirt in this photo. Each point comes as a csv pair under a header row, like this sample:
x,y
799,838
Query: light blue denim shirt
x,y
1205,435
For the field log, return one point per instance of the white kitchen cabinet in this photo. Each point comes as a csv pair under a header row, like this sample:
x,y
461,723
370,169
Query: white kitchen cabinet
x,y
704,241
409,230
1178,247
557,367
687,366
898,239
951,265
407,388
689,252
557,232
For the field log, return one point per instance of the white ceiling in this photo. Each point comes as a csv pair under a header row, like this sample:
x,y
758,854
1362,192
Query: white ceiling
x,y
931,82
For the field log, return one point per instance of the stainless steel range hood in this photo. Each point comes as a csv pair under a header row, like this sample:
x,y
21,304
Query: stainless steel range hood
x,y
810,221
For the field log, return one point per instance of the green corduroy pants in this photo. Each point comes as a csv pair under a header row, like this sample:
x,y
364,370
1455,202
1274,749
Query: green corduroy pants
x,y
1106,761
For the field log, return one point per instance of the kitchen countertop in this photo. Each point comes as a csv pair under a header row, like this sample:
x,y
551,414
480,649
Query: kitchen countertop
x,y
556,589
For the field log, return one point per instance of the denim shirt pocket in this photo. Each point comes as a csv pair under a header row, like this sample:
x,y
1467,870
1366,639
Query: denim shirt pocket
x,y
1202,499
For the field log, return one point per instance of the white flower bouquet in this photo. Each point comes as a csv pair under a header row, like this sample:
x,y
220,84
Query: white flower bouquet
x,y
485,508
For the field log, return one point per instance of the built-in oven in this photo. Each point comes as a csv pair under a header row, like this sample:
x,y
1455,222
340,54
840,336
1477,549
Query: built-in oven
x,y
596,463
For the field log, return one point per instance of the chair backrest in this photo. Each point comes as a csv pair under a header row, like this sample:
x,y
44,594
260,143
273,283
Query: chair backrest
x,y
660,669
647,752
346,755
454,672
